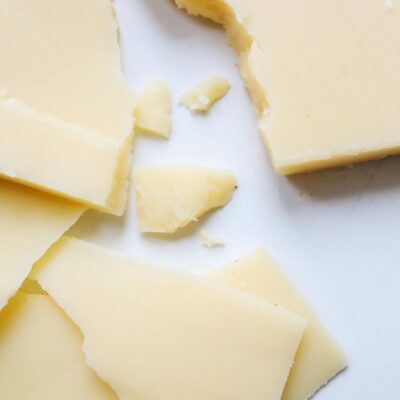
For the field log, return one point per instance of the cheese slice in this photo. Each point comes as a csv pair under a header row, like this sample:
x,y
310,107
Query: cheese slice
x,y
169,198
319,358
155,333
41,355
30,222
153,109
65,111
324,76
201,97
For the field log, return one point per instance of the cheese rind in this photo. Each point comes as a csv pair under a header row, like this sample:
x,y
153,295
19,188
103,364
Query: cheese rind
x,y
144,324
318,358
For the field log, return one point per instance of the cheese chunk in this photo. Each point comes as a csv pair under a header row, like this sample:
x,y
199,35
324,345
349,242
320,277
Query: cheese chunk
x,y
41,355
30,222
65,111
169,198
201,97
155,333
324,76
153,109
319,358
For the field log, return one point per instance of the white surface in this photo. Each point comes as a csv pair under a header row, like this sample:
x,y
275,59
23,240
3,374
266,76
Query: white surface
x,y
334,232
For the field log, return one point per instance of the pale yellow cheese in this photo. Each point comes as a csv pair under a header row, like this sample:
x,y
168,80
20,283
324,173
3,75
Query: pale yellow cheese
x,y
210,240
153,109
41,356
201,97
157,333
30,221
319,358
169,198
324,76
66,114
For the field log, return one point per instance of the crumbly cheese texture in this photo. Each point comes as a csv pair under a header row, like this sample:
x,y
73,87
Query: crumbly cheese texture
x,y
318,358
157,333
210,240
65,111
169,198
324,76
202,96
153,109
30,222
41,354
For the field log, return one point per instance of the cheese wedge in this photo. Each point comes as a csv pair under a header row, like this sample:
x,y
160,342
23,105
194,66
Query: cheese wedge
x,y
154,333
324,76
169,198
41,355
30,222
319,358
65,111
153,109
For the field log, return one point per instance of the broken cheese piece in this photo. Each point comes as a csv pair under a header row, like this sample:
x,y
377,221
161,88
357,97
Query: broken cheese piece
x,y
41,355
319,358
156,333
30,222
153,109
210,240
324,76
65,110
202,96
169,198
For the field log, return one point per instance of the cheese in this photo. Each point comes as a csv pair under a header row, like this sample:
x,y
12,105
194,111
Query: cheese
x,y
319,358
65,110
41,355
201,97
210,240
153,109
30,222
327,72
154,333
169,198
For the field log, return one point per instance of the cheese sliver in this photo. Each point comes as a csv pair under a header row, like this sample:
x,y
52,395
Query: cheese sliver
x,y
319,358
169,198
31,222
324,76
41,355
157,333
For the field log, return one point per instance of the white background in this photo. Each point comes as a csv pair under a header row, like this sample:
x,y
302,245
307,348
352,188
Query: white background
x,y
335,233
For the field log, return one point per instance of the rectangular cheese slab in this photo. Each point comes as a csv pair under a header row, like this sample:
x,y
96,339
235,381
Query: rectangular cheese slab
x,y
318,358
30,221
157,333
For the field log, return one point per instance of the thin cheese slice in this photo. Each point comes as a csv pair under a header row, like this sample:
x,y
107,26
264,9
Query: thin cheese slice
x,y
169,198
319,358
324,76
155,333
41,356
65,111
30,222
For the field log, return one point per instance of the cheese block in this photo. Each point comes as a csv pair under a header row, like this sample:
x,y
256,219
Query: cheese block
x,y
324,76
202,96
319,358
157,333
153,109
169,198
41,355
30,222
65,111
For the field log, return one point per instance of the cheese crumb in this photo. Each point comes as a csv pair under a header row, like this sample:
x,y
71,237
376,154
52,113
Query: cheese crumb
x,y
209,240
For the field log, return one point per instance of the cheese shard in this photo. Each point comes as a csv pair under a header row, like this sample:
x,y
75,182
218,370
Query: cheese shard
x,y
31,222
41,355
201,97
65,111
156,333
324,76
210,240
153,109
319,358
169,198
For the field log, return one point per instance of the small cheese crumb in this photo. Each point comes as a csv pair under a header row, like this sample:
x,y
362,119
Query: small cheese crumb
x,y
209,240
